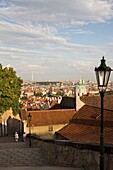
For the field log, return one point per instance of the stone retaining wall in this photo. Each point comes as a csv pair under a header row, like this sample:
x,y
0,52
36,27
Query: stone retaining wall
x,y
80,155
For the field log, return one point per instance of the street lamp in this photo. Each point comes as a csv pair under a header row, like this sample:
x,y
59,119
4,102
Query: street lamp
x,y
102,76
29,122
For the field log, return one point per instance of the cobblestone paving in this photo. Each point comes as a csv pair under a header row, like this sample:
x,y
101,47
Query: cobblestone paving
x,y
19,154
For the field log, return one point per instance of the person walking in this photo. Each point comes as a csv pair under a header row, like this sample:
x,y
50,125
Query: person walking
x,y
24,137
16,136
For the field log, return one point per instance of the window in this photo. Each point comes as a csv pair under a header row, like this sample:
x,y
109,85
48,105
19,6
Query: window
x,y
50,128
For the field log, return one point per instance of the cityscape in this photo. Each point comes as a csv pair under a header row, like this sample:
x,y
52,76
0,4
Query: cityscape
x,y
56,85
43,93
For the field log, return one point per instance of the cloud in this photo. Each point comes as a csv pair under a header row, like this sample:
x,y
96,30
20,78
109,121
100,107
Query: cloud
x,y
33,35
57,12
80,31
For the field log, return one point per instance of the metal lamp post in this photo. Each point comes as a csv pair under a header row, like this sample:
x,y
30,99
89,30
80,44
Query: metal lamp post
x,y
29,120
102,76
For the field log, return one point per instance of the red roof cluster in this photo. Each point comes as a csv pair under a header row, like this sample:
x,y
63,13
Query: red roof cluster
x,y
49,117
85,125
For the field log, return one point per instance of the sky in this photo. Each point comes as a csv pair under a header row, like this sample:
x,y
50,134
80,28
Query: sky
x,y
56,40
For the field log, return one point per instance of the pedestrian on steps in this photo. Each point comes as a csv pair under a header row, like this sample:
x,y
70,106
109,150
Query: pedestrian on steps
x,y
16,136
24,137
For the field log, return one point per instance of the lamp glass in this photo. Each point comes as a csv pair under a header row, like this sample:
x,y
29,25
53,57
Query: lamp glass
x,y
102,75
107,77
101,78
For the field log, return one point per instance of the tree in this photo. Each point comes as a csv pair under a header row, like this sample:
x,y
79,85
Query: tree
x,y
40,94
10,86
59,93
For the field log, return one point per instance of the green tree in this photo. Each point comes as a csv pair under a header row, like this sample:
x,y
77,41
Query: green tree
x,y
40,94
10,86
59,93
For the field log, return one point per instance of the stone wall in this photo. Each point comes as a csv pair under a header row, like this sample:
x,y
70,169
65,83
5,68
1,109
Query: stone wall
x,y
80,155
14,125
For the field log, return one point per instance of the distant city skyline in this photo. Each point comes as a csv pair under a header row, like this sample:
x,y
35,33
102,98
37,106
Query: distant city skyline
x,y
56,40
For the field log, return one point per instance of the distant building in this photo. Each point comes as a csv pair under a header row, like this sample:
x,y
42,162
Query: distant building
x,y
44,123
9,124
65,103
79,90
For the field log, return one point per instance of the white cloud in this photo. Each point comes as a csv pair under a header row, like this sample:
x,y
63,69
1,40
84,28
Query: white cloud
x,y
57,12
80,31
31,34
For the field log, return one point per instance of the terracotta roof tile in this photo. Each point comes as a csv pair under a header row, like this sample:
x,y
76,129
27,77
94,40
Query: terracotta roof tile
x,y
54,102
85,127
90,112
51,117
96,101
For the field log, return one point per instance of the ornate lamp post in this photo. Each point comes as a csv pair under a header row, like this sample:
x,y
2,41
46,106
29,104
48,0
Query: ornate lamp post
x,y
29,122
102,76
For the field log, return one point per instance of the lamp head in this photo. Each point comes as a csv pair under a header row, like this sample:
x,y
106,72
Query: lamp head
x,y
102,75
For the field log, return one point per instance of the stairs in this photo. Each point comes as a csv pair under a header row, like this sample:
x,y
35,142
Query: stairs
x,y
16,154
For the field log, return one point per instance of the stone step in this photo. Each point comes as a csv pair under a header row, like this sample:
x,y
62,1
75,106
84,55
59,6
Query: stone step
x,y
19,154
13,145
7,139
22,157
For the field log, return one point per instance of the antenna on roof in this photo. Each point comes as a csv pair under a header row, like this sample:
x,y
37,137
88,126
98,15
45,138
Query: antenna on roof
x,y
32,76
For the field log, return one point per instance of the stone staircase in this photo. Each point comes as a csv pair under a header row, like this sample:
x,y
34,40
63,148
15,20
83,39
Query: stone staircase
x,y
17,154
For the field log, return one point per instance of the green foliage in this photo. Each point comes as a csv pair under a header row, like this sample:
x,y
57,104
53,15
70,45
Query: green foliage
x,y
24,98
59,93
10,86
40,94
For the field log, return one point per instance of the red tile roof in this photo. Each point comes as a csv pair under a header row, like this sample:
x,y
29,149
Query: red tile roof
x,y
96,101
54,102
85,126
51,117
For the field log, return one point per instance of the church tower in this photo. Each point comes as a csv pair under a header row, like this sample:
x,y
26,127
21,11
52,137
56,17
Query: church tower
x,y
79,90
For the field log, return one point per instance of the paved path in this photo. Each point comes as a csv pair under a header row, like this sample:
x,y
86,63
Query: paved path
x,y
38,168
18,156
